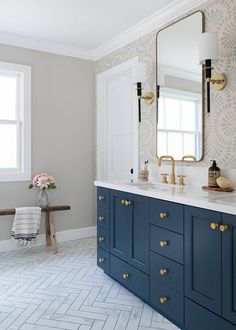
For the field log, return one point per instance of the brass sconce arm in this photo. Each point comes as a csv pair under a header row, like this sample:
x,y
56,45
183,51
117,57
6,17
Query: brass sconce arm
x,y
148,98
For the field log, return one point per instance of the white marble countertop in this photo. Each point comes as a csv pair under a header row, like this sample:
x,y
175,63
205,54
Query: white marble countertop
x,y
187,195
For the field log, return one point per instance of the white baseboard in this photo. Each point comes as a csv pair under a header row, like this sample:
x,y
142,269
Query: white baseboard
x,y
62,236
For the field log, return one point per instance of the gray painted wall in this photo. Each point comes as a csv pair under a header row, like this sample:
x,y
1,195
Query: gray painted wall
x,y
62,136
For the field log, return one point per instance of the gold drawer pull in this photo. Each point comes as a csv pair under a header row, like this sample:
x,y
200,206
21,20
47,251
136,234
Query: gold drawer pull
x,y
101,239
214,226
163,244
163,215
101,218
163,300
100,198
123,202
101,260
223,228
163,271
125,276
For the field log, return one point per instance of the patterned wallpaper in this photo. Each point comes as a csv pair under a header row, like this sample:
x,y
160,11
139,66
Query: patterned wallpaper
x,y
220,125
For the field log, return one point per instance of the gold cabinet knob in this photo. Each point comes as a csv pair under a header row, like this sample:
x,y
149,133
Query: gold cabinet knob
x,y
101,198
163,244
223,228
123,202
163,271
101,260
163,300
100,239
163,215
214,226
101,218
125,276
127,203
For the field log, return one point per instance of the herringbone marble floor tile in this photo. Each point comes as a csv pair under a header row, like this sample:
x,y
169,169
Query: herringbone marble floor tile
x,y
41,291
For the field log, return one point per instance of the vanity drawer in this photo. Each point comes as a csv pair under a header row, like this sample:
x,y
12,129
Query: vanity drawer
x,y
102,197
167,271
197,317
166,243
167,215
103,238
103,217
135,280
167,301
103,260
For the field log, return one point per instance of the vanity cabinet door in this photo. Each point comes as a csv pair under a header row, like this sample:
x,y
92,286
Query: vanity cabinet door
x,y
229,267
203,257
138,249
119,214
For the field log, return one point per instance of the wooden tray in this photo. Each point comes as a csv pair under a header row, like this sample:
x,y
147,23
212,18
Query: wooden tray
x,y
206,188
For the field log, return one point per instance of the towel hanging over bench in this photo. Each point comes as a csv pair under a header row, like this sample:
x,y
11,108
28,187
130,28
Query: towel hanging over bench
x,y
26,224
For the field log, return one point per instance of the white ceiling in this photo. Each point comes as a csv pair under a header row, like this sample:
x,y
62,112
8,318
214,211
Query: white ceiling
x,y
75,24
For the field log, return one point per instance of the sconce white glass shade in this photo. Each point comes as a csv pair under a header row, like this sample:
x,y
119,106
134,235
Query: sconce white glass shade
x,y
138,73
208,48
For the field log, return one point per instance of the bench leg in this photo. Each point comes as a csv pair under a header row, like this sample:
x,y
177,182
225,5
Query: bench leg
x,y
47,230
53,233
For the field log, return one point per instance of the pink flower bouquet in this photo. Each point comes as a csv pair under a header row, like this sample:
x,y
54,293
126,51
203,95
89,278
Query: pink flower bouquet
x,y
43,181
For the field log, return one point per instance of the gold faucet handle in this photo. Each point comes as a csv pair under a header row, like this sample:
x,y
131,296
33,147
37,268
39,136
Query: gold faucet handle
x,y
181,179
164,177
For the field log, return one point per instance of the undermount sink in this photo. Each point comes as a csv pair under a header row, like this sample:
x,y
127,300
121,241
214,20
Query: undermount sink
x,y
151,185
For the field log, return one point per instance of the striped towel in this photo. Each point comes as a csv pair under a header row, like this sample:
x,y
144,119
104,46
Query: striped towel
x,y
26,224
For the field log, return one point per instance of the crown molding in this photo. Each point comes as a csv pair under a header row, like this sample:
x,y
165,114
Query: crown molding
x,y
150,24
45,46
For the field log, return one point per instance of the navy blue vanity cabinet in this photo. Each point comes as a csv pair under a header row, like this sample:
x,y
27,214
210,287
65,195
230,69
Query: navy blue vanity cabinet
x,y
129,232
203,257
179,259
103,224
228,230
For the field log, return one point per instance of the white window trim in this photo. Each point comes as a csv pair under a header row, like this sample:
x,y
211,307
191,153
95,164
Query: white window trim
x,y
180,95
24,172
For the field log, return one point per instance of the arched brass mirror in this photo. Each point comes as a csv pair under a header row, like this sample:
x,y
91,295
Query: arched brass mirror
x,y
180,82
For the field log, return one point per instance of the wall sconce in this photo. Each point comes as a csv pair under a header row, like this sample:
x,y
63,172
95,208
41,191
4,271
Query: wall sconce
x,y
138,77
208,53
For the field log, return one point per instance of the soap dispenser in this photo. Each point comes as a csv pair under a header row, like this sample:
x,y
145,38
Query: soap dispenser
x,y
213,174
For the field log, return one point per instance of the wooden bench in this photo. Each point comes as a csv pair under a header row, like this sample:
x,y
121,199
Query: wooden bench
x,y
49,223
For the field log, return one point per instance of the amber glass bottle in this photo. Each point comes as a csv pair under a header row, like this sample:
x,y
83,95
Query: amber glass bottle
x,y
213,174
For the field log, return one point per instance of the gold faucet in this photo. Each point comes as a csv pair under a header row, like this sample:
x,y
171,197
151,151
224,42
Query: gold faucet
x,y
172,177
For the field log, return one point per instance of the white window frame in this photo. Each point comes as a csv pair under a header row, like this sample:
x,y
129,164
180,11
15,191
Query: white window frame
x,y
23,121
185,96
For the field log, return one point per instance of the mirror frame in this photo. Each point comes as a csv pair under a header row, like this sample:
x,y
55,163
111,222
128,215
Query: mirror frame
x,y
203,84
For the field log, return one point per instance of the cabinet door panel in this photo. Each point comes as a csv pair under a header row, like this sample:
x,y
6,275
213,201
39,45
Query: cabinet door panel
x,y
119,225
203,258
199,318
229,268
138,233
